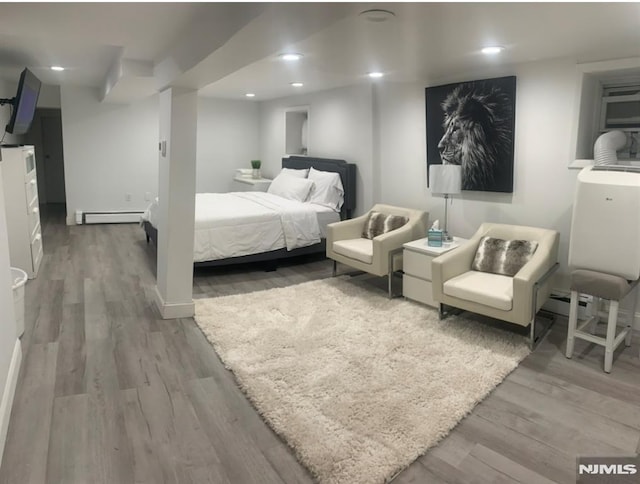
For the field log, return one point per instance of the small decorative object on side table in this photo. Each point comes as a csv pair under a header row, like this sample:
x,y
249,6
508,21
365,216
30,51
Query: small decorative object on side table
x,y
416,262
435,236
255,164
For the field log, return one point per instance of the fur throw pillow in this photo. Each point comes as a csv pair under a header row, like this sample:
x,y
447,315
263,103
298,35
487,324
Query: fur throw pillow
x,y
504,257
379,223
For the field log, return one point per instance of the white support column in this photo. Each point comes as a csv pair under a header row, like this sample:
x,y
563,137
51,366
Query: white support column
x,y
176,193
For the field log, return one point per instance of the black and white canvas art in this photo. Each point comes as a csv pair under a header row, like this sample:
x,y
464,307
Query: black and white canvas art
x,y
472,124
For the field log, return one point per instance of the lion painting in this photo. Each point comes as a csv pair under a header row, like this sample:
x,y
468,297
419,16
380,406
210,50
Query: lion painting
x,y
478,123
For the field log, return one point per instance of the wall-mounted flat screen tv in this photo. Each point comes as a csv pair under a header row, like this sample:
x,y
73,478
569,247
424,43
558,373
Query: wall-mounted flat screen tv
x,y
24,104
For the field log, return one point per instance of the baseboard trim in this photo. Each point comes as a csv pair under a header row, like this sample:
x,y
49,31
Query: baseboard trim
x,y
8,394
173,310
113,217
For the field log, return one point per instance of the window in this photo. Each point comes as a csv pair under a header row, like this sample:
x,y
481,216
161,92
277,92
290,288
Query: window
x,y
620,108
608,99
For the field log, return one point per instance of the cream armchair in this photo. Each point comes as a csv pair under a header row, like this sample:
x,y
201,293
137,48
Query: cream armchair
x,y
381,255
514,299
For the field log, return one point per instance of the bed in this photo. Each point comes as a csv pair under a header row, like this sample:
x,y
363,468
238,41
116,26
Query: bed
x,y
241,227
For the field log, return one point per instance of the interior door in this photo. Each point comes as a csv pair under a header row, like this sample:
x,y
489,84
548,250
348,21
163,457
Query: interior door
x,y
53,158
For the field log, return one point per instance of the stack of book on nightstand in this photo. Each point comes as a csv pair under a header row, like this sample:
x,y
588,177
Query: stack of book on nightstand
x,y
244,172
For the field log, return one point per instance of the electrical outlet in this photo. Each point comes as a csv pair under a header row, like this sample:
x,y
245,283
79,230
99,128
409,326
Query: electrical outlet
x,y
127,197
147,196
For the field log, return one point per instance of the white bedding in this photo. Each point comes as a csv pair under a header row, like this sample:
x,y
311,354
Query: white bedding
x,y
244,223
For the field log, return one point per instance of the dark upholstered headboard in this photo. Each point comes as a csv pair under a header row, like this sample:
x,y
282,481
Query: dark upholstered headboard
x,y
347,172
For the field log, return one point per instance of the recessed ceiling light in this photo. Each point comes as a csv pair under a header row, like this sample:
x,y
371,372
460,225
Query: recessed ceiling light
x,y
291,57
375,75
250,94
57,68
297,84
494,49
377,15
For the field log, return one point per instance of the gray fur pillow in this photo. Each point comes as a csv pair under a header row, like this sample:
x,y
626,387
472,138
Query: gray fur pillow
x,y
379,223
504,257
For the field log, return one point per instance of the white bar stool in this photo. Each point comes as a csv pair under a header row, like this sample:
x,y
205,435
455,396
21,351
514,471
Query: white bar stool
x,y
605,286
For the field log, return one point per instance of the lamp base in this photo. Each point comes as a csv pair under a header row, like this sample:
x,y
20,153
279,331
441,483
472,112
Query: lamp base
x,y
446,237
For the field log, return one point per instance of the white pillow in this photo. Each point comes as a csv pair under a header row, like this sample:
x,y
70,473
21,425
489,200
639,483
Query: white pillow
x,y
327,190
297,173
291,187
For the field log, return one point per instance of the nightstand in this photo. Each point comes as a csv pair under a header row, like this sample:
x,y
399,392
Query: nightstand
x,y
247,184
416,264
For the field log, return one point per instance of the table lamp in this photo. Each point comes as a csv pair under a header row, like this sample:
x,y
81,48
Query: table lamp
x,y
445,180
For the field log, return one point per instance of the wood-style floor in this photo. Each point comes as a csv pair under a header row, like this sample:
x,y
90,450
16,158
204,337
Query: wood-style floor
x,y
109,393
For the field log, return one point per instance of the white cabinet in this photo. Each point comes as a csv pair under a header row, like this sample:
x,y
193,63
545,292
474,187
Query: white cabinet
x,y
20,185
246,184
416,264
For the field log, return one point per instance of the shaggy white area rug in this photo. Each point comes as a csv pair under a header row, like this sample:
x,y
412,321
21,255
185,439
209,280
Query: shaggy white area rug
x,y
357,384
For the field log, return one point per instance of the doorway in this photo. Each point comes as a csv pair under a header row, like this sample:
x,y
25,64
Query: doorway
x,y
46,136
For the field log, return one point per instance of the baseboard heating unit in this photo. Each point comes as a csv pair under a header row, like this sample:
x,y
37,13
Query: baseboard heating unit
x,y
558,303
107,217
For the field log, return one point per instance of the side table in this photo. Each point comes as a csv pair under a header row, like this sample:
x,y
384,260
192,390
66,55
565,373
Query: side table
x,y
416,264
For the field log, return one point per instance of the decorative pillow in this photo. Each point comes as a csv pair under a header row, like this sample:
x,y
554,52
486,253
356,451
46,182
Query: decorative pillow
x,y
328,190
504,257
304,173
380,223
291,187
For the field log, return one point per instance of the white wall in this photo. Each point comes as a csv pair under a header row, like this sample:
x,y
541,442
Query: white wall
x,y
543,184
383,130
228,138
340,126
110,150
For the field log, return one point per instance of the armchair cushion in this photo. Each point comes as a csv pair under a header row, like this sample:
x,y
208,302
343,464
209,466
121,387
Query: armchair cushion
x,y
491,290
359,249
505,257
380,223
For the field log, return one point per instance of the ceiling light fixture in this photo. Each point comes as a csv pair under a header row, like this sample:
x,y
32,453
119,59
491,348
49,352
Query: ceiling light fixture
x,y
297,84
291,57
57,68
250,94
491,50
377,15
375,75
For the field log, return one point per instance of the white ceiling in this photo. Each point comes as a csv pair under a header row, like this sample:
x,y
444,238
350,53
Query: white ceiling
x,y
227,49
87,37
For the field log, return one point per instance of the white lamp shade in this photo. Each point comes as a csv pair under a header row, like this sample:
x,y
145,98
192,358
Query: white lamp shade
x,y
445,179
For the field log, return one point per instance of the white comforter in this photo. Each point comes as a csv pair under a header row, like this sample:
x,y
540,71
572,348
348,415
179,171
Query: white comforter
x,y
244,223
